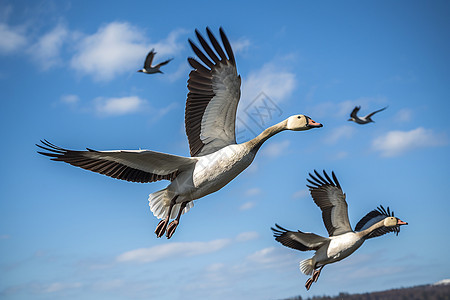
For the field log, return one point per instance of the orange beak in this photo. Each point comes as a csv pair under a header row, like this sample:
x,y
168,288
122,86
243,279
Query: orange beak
x,y
312,123
400,222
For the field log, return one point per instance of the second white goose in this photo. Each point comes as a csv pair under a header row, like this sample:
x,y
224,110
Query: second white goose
x,y
343,241
214,92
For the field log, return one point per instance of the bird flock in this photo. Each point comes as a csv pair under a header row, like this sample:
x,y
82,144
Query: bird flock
x,y
216,158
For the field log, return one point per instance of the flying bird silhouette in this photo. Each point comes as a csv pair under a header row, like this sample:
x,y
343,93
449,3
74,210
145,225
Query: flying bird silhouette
x,y
148,69
210,117
342,241
362,120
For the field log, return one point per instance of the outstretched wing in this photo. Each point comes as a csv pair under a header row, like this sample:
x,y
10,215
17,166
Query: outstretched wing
x,y
376,216
149,59
136,166
303,241
354,112
163,63
214,92
371,114
329,197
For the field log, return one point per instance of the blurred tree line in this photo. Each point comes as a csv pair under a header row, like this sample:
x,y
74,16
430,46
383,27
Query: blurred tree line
x,y
423,292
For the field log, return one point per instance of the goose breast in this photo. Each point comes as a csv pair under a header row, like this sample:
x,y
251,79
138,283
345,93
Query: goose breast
x,y
215,170
341,246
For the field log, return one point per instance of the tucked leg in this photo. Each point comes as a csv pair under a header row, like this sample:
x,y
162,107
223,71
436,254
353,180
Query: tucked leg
x,y
313,278
173,225
161,227
316,274
308,283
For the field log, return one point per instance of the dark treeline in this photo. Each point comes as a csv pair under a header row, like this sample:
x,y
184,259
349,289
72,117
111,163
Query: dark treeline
x,y
422,292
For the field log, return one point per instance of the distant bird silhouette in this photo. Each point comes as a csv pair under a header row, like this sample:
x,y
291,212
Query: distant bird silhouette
x,y
148,69
362,120
210,118
343,241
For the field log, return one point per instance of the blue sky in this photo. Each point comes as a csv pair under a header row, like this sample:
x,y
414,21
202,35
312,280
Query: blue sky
x,y
68,74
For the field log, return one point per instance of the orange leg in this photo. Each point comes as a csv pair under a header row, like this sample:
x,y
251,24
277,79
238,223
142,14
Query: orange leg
x,y
173,225
161,227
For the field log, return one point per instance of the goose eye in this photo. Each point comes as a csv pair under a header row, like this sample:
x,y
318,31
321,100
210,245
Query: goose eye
x,y
298,117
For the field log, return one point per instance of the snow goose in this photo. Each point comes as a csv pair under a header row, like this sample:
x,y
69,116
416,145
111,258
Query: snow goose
x,y
214,91
363,120
148,69
342,241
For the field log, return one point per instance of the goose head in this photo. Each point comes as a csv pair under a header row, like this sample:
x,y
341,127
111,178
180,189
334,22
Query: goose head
x,y
393,221
301,122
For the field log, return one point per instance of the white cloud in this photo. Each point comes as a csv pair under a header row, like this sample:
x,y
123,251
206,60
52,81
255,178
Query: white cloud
x,y
11,39
252,192
240,45
266,256
340,133
70,99
115,48
340,155
182,249
247,236
119,106
247,205
301,194
271,80
275,149
343,109
397,142
404,115
170,45
46,51
118,48
58,286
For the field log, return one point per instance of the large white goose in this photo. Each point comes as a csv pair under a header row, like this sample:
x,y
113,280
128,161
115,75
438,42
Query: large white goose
x,y
214,92
343,241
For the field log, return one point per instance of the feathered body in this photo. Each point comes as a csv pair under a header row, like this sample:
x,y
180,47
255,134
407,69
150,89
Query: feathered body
x,y
342,240
210,117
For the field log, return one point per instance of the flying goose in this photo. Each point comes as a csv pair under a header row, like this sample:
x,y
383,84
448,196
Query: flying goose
x,y
216,159
343,241
148,69
363,120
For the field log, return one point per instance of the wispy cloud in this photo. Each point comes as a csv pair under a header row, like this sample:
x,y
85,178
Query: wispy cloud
x,y
270,79
337,134
4,236
252,192
115,48
59,286
247,205
343,109
395,143
300,194
240,45
46,51
404,115
275,149
70,99
11,39
119,106
247,236
182,249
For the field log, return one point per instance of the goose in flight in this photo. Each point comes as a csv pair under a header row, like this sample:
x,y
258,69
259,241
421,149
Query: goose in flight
x,y
342,241
148,69
363,120
216,158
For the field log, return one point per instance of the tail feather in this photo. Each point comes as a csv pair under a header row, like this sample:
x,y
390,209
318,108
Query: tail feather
x,y
307,266
159,203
